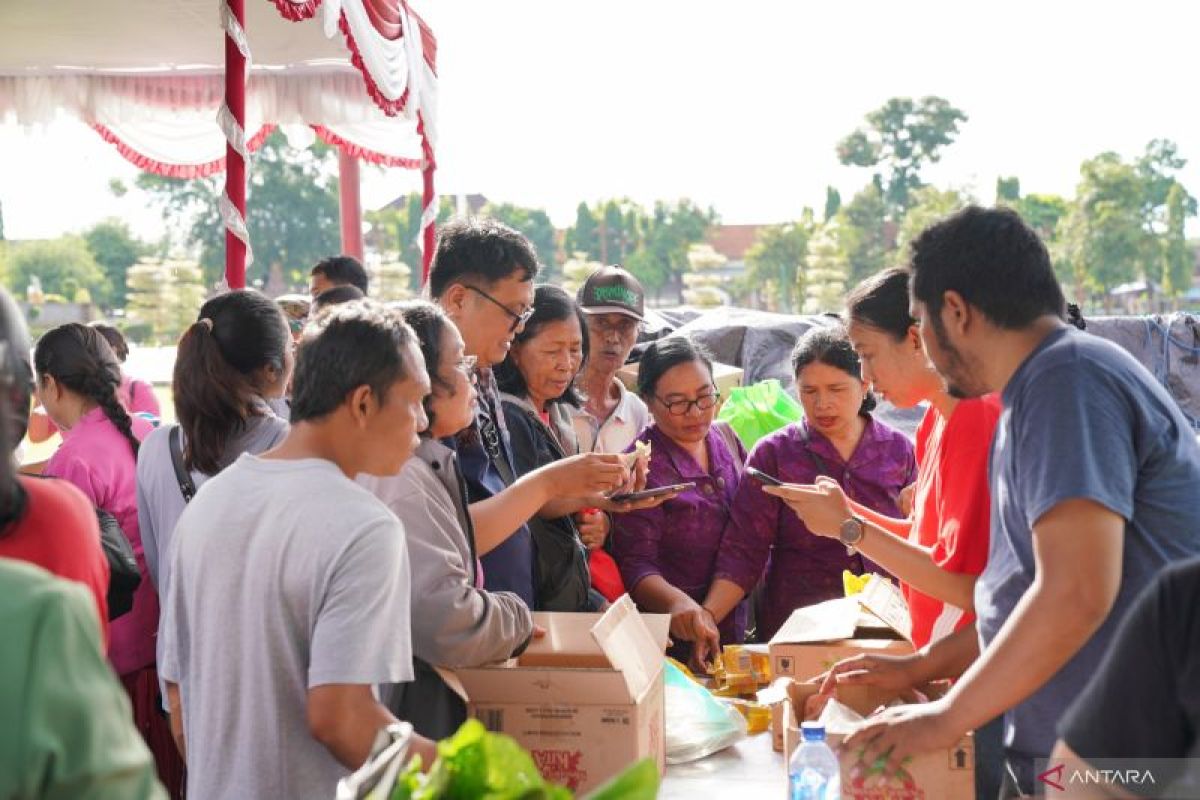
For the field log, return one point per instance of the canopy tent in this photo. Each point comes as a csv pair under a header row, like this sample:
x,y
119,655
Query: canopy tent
x,y
156,79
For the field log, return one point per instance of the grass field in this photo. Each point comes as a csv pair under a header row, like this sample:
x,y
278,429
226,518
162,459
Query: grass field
x,y
34,453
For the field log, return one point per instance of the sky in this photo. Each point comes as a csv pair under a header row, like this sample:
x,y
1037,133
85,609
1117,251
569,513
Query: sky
x,y
737,106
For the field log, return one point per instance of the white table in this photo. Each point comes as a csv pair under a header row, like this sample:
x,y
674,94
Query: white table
x,y
749,768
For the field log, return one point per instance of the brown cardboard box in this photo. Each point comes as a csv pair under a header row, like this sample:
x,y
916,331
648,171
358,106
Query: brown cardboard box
x,y
725,377
947,773
586,700
816,637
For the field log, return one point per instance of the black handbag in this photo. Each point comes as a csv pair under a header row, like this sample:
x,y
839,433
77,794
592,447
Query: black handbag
x,y
124,577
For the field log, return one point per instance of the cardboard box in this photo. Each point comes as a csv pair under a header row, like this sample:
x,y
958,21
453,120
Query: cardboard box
x,y
724,376
816,637
946,773
586,700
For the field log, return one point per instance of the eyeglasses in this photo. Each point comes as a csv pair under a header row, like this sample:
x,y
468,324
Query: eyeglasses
x,y
517,319
678,408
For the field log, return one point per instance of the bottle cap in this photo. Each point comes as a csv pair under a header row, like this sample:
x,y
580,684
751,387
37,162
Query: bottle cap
x,y
813,731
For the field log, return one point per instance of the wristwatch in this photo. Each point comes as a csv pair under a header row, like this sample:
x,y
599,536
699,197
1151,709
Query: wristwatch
x,y
851,533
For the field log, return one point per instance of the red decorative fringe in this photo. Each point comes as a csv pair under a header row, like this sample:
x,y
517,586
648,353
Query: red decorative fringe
x,y
185,171
358,151
392,108
297,11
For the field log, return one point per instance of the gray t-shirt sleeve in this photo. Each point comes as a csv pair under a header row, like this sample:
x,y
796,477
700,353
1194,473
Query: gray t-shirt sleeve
x,y
361,634
1075,441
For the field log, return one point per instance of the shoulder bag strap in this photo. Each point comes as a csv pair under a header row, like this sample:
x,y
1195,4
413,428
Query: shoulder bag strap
x,y
187,486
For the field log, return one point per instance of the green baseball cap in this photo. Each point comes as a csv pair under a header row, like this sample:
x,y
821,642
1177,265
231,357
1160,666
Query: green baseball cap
x,y
612,290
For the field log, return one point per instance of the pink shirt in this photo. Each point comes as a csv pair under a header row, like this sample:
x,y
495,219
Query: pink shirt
x,y
97,459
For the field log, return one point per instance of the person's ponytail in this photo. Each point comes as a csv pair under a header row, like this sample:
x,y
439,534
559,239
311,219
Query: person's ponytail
x,y
218,374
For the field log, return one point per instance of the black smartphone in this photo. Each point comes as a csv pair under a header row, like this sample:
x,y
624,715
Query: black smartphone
x,y
656,492
763,477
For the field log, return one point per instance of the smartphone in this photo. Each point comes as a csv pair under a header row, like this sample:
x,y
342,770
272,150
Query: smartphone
x,y
656,492
763,477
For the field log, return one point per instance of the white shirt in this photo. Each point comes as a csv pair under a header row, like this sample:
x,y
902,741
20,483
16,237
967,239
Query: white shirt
x,y
616,433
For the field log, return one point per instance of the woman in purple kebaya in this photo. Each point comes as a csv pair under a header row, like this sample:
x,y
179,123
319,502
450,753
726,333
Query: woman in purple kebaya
x,y
667,554
839,438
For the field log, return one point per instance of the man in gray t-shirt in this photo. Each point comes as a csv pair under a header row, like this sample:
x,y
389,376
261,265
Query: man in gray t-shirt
x,y
289,596
1094,478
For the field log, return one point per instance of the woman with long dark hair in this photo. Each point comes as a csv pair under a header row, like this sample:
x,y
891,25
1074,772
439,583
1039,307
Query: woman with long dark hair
x,y
78,383
235,358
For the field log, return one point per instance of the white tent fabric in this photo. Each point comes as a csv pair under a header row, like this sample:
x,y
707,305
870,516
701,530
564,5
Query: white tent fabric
x,y
147,74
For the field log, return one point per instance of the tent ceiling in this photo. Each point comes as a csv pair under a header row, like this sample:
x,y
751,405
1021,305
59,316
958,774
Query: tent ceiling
x,y
45,36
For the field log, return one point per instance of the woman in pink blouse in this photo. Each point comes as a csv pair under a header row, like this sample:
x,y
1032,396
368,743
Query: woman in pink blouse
x,y
78,383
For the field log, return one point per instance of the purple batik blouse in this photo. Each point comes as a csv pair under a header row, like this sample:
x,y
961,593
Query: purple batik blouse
x,y
679,539
763,533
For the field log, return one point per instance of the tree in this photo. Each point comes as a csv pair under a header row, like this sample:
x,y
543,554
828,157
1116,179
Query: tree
x,y
702,285
661,256
1104,238
1178,262
775,262
395,231
534,223
115,249
1042,212
584,235
163,297
64,267
292,210
826,273
1008,190
900,138
930,204
833,203
862,232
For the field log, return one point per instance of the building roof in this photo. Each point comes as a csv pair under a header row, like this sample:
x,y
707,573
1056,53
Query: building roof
x,y
732,241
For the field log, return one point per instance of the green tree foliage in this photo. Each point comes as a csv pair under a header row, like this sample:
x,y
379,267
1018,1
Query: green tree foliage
x,y
292,210
833,203
1008,190
775,262
862,231
661,256
930,204
534,223
584,235
394,231
163,297
64,266
1178,261
115,249
899,139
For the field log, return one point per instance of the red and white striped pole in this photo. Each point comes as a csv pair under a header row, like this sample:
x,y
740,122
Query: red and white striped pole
x,y
232,119
429,201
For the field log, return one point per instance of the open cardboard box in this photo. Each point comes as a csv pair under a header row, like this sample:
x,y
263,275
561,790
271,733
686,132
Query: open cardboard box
x,y
586,699
816,637
945,773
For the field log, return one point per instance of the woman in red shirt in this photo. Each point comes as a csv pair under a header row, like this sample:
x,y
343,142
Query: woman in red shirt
x,y
42,521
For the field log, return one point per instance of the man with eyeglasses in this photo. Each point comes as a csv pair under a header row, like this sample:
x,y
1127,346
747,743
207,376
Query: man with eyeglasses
x,y
482,277
613,302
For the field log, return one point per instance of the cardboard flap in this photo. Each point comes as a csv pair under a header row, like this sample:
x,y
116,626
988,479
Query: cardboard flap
x,y
630,646
886,603
830,621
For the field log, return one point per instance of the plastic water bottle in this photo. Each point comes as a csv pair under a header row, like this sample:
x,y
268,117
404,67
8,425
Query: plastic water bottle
x,y
813,772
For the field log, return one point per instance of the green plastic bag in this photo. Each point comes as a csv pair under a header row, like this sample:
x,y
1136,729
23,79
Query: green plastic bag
x,y
759,409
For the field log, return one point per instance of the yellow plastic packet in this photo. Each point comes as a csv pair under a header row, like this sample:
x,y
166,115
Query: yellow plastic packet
x,y
740,671
758,716
854,584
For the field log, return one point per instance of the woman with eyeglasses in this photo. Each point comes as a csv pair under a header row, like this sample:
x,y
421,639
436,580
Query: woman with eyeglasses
x,y
667,555
455,621
837,438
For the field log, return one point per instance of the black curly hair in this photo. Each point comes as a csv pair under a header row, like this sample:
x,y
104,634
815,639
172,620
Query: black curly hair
x,y
81,359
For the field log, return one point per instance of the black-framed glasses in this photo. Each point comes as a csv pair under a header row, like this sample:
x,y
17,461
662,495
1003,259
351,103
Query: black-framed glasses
x,y
678,408
517,319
